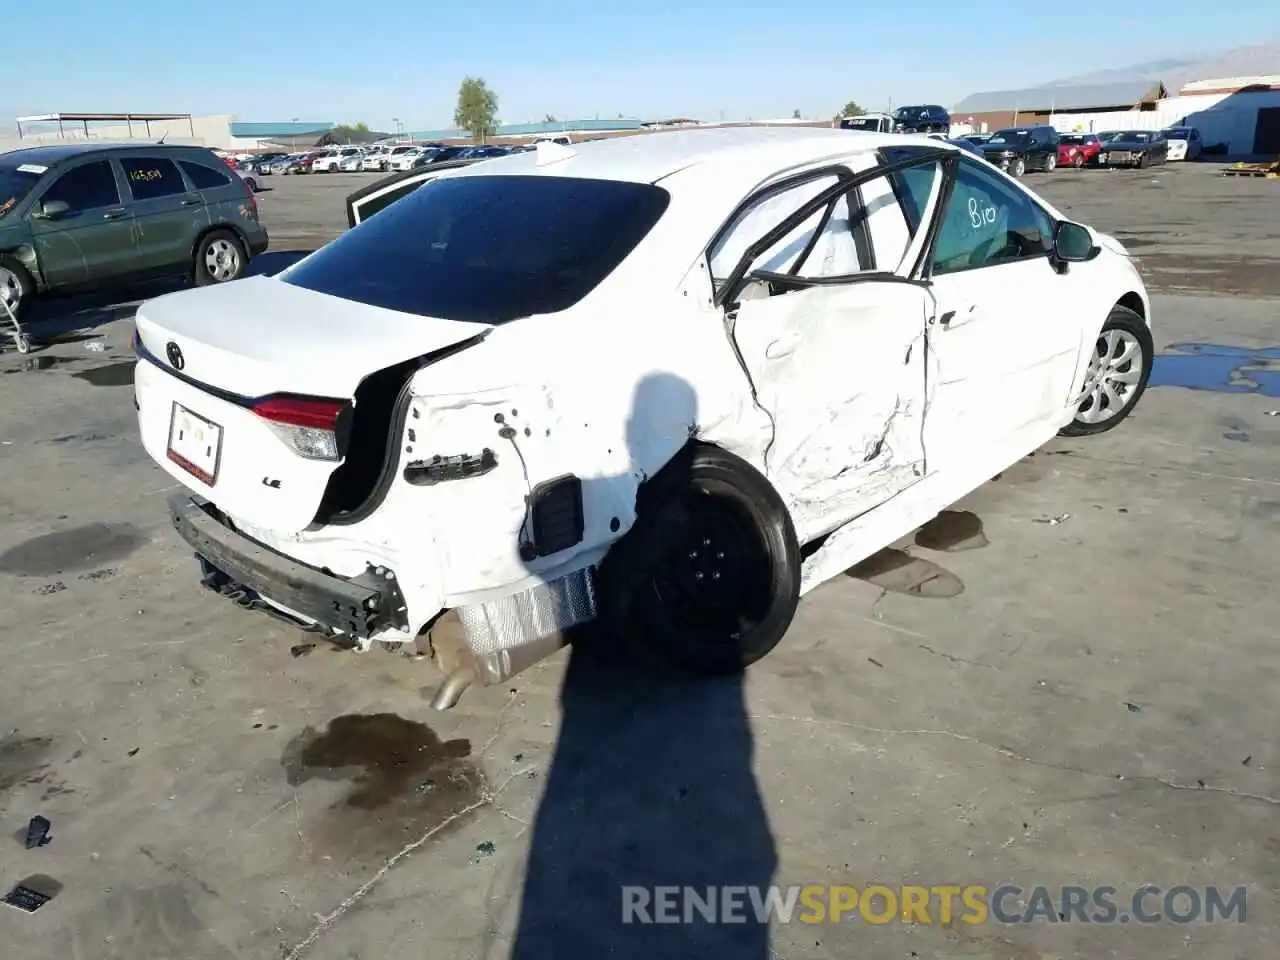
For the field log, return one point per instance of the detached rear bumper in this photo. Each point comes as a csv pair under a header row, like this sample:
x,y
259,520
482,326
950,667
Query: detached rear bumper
x,y
250,573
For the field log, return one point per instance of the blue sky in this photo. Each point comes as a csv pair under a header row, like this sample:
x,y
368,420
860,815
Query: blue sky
x,y
372,61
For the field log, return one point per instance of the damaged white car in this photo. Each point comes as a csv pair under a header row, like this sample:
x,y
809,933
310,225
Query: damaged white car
x,y
669,382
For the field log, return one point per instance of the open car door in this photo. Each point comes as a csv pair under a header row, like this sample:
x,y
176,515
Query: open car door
x,y
367,201
832,339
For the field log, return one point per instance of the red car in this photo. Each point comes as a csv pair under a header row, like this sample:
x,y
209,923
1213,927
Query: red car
x,y
1078,149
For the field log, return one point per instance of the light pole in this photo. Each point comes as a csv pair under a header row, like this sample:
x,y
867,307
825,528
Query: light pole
x,y
396,122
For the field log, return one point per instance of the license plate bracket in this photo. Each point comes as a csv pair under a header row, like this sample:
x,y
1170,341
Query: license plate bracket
x,y
195,444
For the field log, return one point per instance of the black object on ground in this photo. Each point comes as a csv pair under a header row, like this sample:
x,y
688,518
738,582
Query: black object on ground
x,y
24,898
38,832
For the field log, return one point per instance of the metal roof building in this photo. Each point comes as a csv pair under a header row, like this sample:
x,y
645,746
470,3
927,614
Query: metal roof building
x,y
1001,108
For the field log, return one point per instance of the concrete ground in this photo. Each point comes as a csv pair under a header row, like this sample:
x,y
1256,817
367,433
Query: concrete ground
x,y
1071,679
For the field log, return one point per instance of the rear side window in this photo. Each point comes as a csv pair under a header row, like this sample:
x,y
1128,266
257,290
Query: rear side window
x,y
152,177
89,186
202,177
487,249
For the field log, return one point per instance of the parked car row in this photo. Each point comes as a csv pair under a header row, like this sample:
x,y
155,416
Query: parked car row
x,y
378,158
1022,149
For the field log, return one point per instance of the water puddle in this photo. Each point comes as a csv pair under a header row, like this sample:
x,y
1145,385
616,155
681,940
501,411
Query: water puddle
x,y
1218,368
896,571
404,780
110,375
80,548
952,531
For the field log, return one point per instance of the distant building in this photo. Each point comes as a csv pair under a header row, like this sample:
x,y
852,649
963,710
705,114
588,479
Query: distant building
x,y
1039,105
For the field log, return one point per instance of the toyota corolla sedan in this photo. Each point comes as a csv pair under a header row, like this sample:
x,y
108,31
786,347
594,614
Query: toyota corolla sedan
x,y
749,359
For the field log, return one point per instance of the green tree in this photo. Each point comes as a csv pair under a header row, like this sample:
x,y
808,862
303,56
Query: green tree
x,y
795,114
351,133
550,118
851,109
477,110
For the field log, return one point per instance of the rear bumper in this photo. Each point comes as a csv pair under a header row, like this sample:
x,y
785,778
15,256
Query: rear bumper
x,y
259,242
249,573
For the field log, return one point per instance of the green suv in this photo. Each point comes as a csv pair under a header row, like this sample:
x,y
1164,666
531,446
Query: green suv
x,y
77,217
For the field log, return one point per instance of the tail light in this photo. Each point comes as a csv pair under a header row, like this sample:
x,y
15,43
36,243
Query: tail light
x,y
310,427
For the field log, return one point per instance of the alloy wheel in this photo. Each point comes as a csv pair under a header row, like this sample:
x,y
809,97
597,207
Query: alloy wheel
x,y
1111,382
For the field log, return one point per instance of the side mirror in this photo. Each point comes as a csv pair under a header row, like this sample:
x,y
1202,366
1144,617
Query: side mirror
x,y
1072,243
53,209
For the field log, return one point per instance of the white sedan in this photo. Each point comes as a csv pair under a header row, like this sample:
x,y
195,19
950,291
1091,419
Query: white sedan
x,y
750,359
400,160
332,160
1184,143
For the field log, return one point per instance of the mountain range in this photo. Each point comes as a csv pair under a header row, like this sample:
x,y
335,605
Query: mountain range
x,y
1261,59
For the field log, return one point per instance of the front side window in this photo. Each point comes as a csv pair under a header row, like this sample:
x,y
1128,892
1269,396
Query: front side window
x,y
152,177
89,186
487,249
988,221
16,181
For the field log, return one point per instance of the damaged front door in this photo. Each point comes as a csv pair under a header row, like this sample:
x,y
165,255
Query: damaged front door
x,y
833,344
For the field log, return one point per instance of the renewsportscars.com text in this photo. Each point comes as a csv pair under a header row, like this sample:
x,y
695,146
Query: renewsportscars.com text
x,y
944,904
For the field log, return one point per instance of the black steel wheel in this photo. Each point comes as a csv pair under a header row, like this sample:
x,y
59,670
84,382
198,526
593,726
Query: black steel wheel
x,y
708,580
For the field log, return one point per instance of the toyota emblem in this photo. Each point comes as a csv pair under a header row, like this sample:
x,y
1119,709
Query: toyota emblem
x,y
174,353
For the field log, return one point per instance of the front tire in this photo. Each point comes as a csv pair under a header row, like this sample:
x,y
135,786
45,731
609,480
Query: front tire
x,y
17,289
1117,374
1017,167
220,258
708,580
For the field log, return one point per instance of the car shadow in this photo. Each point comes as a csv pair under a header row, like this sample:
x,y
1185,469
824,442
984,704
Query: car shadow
x,y
651,786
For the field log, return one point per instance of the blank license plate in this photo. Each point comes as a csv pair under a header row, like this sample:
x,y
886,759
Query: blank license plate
x,y
195,444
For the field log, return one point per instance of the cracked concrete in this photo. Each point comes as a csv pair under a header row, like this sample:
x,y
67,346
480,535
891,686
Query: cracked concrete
x,y
1092,702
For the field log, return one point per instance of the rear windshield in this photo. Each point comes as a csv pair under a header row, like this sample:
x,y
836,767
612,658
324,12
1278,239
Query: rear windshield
x,y
16,181
487,249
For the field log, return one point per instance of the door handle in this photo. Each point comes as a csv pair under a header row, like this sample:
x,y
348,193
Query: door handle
x,y
190,201
946,318
115,213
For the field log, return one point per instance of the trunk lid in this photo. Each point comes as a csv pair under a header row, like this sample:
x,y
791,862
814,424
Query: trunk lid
x,y
261,335
251,339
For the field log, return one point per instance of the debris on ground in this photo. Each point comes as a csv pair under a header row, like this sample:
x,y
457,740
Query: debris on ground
x,y
485,848
95,346
301,649
38,832
1054,521
1247,760
1132,707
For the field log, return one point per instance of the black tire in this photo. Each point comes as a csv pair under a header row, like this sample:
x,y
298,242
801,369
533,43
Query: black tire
x,y
1126,321
1017,167
25,289
708,580
1141,161
205,277
252,184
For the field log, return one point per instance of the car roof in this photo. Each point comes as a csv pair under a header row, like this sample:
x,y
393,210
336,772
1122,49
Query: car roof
x,y
648,158
51,154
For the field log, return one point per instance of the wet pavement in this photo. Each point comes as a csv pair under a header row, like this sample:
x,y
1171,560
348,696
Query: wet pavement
x,y
1070,677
